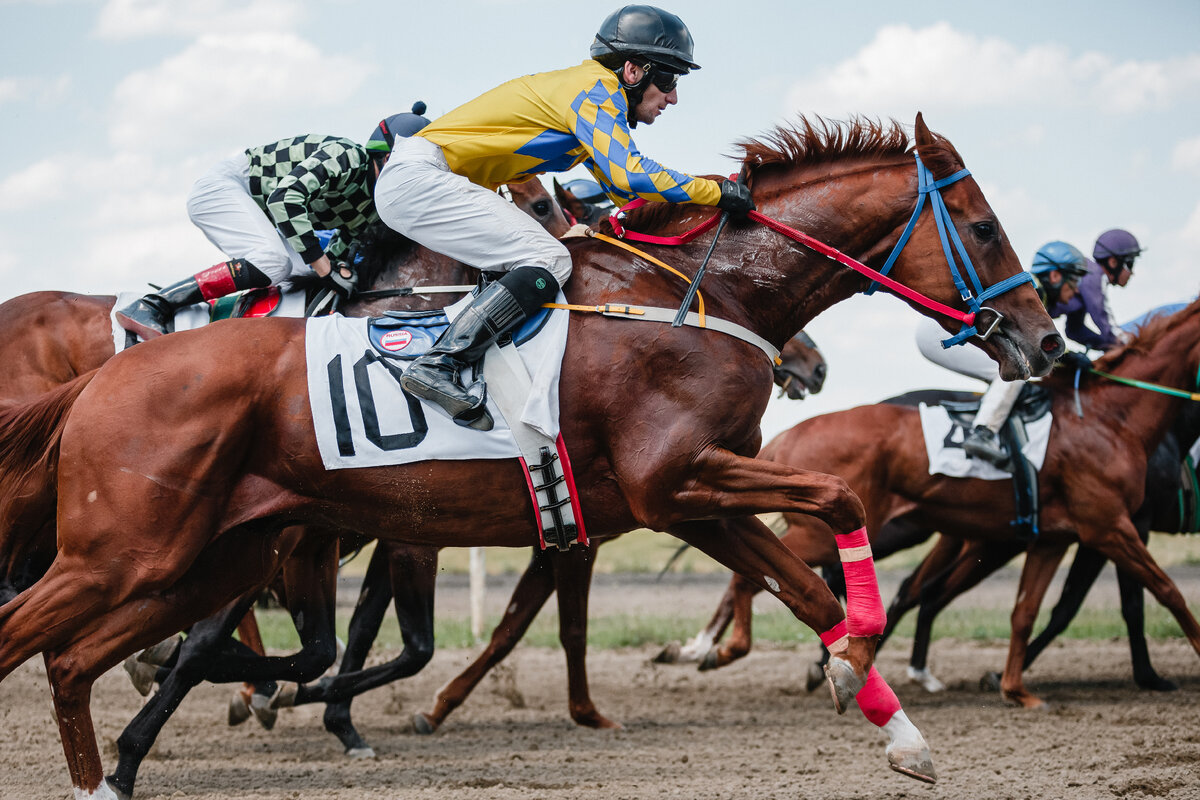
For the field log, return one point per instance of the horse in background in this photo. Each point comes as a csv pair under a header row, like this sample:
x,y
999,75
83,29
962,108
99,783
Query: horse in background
x,y
1091,486
621,383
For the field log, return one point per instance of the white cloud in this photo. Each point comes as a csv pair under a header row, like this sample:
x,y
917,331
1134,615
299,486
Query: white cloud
x,y
226,81
939,66
126,19
37,185
9,90
1186,154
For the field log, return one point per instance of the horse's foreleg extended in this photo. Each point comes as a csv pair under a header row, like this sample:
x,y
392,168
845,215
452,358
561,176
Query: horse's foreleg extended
x,y
1083,573
748,547
1040,563
532,591
572,584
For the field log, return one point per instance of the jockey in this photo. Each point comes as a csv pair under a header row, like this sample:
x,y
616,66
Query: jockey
x,y
262,208
1057,271
1114,254
438,189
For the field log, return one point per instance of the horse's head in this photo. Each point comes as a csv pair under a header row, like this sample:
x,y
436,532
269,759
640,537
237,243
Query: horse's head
x,y
1014,328
586,213
532,198
801,369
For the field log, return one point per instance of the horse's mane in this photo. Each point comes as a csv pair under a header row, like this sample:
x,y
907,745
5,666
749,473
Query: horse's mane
x,y
1147,337
807,142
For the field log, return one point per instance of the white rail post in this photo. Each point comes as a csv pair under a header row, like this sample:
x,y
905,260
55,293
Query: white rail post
x,y
478,585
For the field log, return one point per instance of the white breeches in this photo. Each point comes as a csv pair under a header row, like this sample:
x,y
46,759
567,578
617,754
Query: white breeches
x,y
420,197
220,205
966,360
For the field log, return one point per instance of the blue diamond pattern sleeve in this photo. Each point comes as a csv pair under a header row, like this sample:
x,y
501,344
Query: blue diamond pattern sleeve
x,y
552,121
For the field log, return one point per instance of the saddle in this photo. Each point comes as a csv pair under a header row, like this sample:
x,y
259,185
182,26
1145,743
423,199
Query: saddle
x,y
1032,404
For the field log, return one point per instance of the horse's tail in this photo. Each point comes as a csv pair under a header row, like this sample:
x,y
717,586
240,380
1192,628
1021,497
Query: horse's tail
x,y
30,432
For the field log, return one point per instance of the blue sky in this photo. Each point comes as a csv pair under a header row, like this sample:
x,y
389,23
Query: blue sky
x,y
1074,116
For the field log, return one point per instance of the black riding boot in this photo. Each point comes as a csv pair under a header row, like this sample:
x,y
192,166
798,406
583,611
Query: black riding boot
x,y
152,315
498,309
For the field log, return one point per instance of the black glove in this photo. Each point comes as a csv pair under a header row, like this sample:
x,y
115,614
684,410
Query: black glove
x,y
735,198
345,287
1074,360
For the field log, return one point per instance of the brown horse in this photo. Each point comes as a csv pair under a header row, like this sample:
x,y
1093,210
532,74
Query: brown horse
x,y
661,423
1091,484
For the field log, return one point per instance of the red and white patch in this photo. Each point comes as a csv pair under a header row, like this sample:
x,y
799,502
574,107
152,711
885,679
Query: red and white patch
x,y
393,341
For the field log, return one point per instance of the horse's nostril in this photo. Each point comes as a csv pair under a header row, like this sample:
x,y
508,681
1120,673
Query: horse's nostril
x,y
1052,343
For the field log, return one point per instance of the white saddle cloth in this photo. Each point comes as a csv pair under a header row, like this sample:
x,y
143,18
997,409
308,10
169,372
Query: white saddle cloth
x,y
363,419
943,445
188,318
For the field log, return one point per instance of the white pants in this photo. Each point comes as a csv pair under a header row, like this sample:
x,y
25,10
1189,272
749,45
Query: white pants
x,y
1000,396
220,205
420,197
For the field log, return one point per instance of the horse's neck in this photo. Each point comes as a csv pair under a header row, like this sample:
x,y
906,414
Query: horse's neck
x,y
418,267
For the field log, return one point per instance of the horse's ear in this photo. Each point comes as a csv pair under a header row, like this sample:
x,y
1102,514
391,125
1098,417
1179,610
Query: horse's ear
x,y
923,136
560,194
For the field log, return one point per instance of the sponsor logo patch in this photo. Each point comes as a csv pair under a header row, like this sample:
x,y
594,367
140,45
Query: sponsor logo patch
x,y
393,341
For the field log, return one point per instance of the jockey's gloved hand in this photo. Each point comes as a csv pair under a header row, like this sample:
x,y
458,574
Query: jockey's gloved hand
x,y
346,287
735,198
1075,360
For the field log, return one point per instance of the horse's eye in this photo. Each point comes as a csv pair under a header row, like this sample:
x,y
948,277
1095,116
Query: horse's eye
x,y
541,208
984,231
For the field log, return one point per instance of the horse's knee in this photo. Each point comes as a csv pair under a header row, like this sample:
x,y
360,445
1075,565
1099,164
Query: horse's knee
x,y
842,509
315,658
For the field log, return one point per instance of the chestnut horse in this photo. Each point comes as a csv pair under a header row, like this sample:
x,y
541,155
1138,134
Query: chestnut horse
x,y
662,425
1091,484
953,566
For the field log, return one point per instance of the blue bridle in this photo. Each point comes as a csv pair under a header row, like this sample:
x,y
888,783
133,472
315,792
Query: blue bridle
x,y
928,187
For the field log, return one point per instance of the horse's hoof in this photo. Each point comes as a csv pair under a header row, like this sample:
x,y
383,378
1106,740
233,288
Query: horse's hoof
x,y
1156,683
711,660
926,679
141,674
161,653
844,683
285,695
360,753
918,765
668,655
422,724
239,708
990,682
260,706
814,678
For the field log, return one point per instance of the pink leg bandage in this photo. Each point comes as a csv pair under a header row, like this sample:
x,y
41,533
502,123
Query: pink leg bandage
x,y
876,700
864,607
832,637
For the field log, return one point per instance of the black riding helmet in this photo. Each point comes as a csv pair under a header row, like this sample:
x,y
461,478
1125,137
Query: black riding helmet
x,y
649,37
405,124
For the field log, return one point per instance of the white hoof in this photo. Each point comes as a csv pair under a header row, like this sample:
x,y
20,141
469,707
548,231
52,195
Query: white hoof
x,y
696,650
360,753
159,654
926,679
844,683
103,792
907,752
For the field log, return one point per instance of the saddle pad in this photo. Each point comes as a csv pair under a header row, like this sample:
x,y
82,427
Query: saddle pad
x,y
363,419
943,445
189,318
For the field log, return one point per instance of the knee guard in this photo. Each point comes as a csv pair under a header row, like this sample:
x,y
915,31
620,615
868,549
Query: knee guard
x,y
531,287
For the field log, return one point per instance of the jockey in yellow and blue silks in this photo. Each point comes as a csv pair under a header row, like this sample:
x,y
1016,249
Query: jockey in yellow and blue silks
x,y
438,187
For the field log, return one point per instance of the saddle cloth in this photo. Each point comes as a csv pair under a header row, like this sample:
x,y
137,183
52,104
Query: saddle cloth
x,y
943,444
291,304
363,418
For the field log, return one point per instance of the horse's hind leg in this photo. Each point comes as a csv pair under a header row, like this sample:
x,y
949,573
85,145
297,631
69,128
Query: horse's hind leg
x,y
532,591
1083,573
1040,564
748,547
698,648
409,574
572,582
1133,611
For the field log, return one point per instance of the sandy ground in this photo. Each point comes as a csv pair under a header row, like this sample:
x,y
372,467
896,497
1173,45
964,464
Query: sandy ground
x,y
748,731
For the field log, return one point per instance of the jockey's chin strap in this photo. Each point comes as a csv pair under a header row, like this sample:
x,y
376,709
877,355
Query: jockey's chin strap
x,y
974,295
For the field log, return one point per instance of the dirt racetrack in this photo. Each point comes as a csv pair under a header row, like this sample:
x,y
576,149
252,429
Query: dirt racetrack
x,y
748,731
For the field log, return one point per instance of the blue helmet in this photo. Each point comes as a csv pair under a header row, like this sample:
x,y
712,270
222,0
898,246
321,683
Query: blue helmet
x,y
383,138
587,191
1060,256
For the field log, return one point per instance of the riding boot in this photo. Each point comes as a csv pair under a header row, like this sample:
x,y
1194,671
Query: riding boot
x,y
983,442
154,314
498,309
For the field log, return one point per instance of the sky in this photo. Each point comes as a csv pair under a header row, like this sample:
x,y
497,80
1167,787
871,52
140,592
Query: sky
x,y
1074,117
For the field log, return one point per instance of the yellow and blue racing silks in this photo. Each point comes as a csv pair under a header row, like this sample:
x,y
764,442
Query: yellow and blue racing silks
x,y
551,121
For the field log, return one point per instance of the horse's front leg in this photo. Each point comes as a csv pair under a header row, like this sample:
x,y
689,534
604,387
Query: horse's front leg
x,y
748,547
572,585
1040,564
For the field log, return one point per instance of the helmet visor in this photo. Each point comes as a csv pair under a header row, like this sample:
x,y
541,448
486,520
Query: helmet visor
x,y
665,80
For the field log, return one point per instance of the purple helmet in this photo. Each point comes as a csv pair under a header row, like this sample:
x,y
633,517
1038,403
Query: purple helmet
x,y
1116,242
